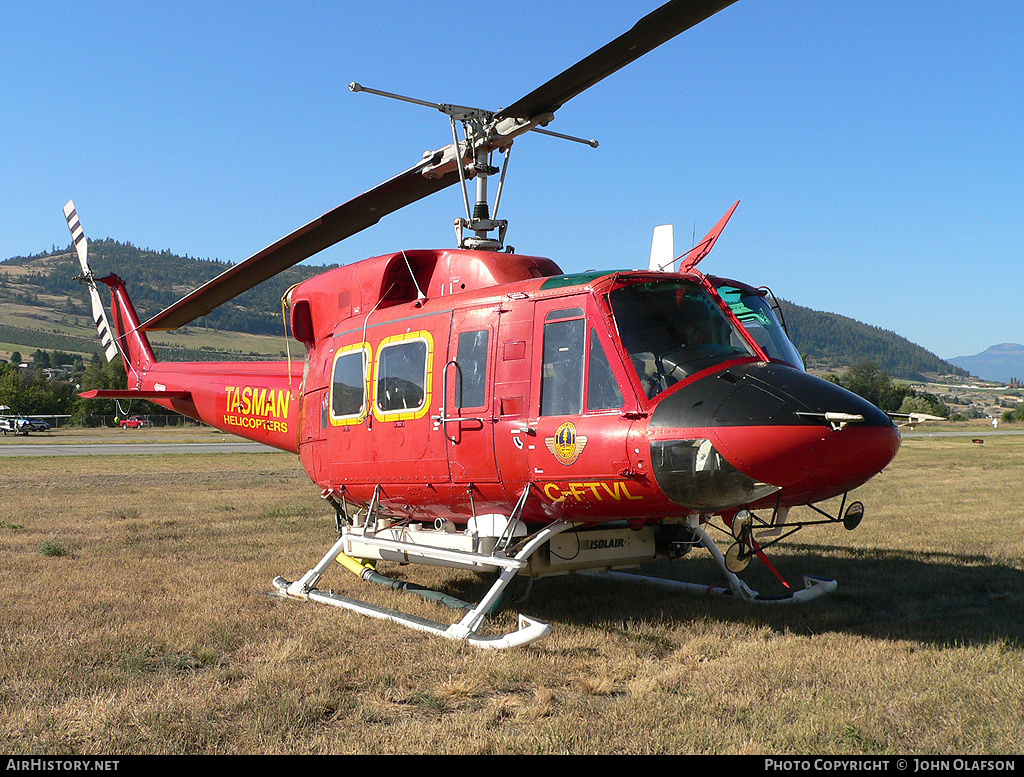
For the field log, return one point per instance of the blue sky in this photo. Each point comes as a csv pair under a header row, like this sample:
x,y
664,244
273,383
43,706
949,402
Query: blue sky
x,y
875,147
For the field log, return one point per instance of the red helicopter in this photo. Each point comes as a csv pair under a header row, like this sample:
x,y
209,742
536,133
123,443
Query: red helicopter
x,y
478,409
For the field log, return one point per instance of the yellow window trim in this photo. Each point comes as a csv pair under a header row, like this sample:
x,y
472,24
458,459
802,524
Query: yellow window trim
x,y
405,415
356,418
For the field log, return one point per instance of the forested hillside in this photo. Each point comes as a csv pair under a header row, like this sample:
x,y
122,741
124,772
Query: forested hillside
x,y
832,342
155,280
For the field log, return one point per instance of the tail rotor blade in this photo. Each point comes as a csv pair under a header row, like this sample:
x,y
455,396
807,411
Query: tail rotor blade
x,y
82,248
78,237
100,319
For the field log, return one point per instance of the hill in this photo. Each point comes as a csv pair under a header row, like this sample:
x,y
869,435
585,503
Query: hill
x,y
830,342
44,307
1003,363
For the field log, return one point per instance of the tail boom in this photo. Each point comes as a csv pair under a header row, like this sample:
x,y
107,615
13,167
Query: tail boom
x,y
254,400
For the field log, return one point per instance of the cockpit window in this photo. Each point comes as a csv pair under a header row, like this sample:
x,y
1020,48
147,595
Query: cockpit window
x,y
757,316
672,329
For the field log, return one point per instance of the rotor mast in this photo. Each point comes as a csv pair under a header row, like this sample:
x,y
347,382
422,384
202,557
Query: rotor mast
x,y
483,133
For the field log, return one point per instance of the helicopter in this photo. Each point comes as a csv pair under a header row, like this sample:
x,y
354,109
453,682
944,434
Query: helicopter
x,y
478,409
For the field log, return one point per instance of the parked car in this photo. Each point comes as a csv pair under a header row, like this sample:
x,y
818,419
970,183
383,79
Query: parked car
x,y
135,422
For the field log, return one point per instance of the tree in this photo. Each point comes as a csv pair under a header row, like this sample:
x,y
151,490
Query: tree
x,y
46,397
873,384
1012,416
10,385
30,392
924,403
101,374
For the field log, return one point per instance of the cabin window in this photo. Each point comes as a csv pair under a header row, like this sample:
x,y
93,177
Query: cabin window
x,y
348,385
603,392
672,329
402,376
471,375
561,385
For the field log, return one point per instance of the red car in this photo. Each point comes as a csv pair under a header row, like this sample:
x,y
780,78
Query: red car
x,y
135,422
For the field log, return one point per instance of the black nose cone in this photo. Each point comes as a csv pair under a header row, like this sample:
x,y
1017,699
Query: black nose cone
x,y
764,395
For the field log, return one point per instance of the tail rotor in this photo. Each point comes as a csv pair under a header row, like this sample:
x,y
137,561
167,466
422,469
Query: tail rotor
x,y
82,248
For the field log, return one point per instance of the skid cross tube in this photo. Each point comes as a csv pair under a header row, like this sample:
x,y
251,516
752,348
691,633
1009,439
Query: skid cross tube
x,y
814,587
466,629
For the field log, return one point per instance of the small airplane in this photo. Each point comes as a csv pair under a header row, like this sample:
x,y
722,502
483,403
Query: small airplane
x,y
22,425
912,420
478,409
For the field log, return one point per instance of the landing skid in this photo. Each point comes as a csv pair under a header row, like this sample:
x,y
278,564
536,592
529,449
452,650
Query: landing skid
x,y
814,587
466,629
362,542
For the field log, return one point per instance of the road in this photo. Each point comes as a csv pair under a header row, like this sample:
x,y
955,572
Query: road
x,y
125,449
979,433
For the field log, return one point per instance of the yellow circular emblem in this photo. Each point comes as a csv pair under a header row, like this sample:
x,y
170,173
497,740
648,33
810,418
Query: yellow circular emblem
x,y
566,445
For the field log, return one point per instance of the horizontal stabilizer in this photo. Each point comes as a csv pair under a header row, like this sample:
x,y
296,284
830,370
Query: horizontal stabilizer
x,y
135,394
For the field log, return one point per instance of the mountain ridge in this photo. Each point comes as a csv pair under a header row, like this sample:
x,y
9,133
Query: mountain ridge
x,y
1003,363
829,342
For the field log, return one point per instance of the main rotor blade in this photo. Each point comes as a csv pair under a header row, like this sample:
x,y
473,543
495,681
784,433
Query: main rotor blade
x,y
344,221
438,171
646,35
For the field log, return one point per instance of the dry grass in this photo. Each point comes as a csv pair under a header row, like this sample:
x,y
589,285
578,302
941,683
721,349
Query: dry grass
x,y
145,628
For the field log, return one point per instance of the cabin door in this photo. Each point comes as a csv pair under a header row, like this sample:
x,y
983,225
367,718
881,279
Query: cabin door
x,y
578,454
468,418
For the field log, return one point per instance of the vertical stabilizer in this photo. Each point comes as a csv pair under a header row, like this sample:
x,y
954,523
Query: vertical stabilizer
x,y
134,344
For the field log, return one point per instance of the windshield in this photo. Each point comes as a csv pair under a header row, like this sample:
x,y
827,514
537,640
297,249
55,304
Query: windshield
x,y
757,316
672,329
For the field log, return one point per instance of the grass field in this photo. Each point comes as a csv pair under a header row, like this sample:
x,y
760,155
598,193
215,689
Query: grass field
x,y
137,620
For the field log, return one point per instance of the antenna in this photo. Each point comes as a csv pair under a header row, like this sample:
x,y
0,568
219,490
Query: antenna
x,y
420,296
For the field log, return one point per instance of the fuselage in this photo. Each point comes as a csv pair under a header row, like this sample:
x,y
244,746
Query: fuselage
x,y
454,380
449,382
